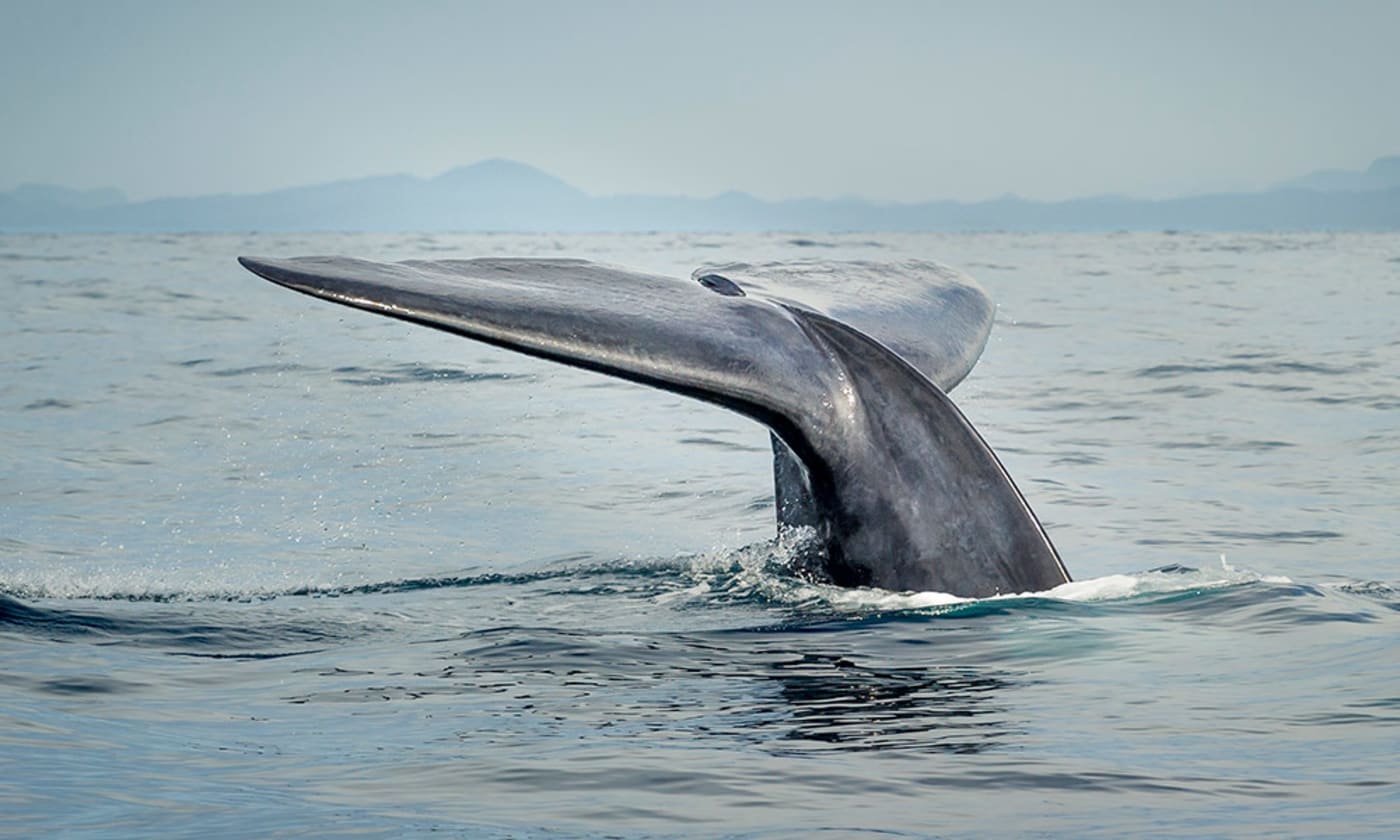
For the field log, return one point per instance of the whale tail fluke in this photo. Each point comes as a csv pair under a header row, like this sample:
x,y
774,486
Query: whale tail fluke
x,y
846,363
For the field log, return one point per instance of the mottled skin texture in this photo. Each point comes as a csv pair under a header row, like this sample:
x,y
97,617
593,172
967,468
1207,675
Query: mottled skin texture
x,y
902,491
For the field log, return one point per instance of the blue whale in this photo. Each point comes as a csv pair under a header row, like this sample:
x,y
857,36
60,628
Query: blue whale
x,y
848,364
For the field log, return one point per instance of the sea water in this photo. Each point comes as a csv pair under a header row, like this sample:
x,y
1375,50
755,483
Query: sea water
x,y
274,568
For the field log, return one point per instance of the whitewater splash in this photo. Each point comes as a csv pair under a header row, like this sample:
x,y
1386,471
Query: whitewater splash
x,y
766,574
762,572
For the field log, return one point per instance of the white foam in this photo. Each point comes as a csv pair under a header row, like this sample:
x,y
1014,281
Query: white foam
x,y
760,571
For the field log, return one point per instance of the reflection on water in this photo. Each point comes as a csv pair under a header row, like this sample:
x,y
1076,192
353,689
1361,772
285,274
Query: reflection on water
x,y
836,702
698,687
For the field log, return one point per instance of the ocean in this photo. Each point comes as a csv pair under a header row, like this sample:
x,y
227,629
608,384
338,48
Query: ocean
x,y
275,568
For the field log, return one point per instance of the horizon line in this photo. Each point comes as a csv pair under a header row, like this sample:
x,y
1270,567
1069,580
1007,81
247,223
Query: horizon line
x,y
733,191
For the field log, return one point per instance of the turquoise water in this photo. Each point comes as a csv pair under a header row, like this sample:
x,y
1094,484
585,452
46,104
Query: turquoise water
x,y
269,567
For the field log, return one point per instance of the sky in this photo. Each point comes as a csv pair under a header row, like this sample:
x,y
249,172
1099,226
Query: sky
x,y
886,100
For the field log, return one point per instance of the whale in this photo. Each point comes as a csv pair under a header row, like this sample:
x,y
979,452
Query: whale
x,y
848,364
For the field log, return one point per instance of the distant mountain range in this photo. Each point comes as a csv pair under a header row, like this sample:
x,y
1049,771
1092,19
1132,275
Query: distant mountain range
x,y
502,195
1382,174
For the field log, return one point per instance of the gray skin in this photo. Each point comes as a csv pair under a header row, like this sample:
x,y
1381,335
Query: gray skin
x,y
869,451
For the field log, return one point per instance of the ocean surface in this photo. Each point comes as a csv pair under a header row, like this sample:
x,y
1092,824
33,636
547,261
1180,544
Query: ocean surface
x,y
274,568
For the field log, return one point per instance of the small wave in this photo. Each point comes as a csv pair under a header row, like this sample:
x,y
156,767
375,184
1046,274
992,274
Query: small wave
x,y
49,404
1189,392
1382,402
13,256
1031,325
253,370
194,633
717,443
1266,368
1220,443
579,571
584,576
407,373
1278,536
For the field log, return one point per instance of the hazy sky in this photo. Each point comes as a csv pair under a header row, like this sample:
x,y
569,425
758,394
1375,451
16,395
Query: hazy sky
x,y
891,100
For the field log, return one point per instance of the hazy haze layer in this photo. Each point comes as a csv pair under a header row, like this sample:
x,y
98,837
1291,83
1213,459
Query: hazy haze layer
x,y
894,100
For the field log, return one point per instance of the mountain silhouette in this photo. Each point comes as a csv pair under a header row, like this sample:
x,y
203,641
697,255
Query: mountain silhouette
x,y
504,195
1382,174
